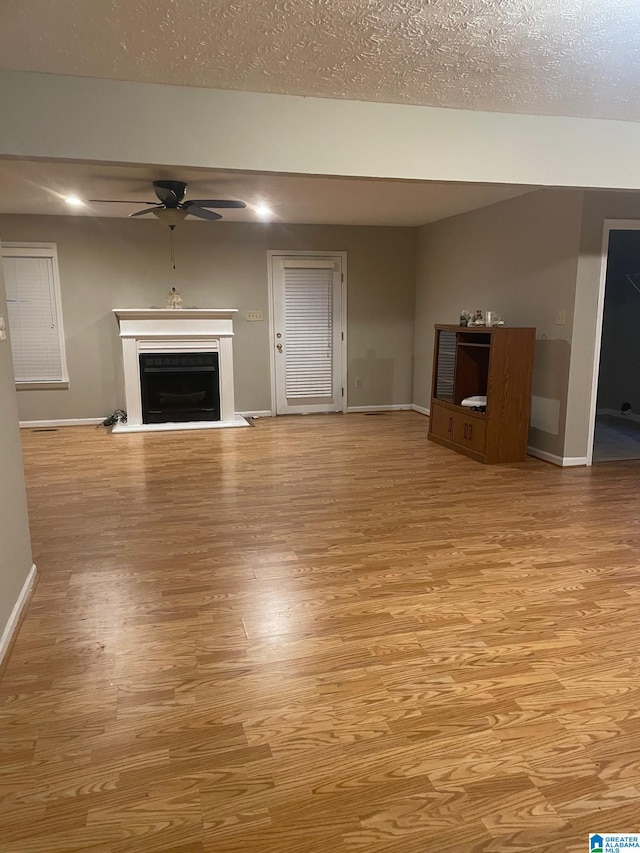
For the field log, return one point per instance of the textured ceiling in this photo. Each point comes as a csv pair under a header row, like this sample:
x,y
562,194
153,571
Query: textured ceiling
x,y
38,187
557,57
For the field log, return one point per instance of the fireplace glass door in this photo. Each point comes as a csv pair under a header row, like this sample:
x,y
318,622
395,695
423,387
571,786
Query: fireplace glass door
x,y
179,387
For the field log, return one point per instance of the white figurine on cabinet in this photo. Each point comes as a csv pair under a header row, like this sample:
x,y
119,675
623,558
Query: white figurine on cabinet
x,y
174,300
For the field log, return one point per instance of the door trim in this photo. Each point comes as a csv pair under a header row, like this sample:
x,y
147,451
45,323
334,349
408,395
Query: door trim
x,y
609,225
298,253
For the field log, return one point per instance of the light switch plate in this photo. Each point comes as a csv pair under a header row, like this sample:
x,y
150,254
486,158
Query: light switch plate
x,y
3,330
561,318
253,316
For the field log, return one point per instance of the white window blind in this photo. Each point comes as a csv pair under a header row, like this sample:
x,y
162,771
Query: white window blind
x,y
308,297
35,323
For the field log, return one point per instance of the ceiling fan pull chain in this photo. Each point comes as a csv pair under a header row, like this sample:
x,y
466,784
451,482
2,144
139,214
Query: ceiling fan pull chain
x,y
172,247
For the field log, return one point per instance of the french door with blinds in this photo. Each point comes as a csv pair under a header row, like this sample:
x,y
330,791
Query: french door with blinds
x,y
307,333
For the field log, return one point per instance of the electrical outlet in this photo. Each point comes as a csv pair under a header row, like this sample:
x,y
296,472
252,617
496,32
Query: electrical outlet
x,y
3,330
252,316
358,384
561,318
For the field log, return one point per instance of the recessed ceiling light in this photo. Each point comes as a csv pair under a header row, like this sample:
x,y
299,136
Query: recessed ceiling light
x,y
263,211
74,201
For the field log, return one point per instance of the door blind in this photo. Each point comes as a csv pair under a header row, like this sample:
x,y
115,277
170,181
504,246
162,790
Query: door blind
x,y
308,308
33,319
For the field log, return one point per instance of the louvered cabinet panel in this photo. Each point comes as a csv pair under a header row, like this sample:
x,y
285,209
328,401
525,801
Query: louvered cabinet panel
x,y
446,365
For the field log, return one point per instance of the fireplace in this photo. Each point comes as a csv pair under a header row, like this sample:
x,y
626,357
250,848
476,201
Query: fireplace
x,y
179,387
178,368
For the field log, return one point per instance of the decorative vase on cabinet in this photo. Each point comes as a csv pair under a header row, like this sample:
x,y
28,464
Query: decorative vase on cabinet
x,y
493,362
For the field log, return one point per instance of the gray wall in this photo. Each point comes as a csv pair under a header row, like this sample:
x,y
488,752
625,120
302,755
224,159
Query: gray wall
x,y
15,545
519,258
109,263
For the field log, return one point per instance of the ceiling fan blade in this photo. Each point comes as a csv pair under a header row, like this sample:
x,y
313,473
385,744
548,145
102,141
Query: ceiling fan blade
x,y
215,202
117,201
201,213
148,210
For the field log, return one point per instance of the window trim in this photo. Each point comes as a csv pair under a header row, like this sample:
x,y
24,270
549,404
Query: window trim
x,y
43,250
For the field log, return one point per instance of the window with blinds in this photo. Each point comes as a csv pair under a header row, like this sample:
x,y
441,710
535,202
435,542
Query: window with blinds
x,y
308,304
34,313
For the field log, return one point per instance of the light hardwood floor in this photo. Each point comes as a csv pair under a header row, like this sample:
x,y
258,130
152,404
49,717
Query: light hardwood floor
x,y
321,635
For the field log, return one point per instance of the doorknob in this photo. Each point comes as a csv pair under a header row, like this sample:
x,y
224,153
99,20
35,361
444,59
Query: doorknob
x,y
279,346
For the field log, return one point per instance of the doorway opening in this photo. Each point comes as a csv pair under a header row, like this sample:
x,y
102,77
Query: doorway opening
x,y
617,416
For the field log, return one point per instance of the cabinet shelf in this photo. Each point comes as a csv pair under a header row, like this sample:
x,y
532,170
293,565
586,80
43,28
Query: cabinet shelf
x,y
493,362
462,409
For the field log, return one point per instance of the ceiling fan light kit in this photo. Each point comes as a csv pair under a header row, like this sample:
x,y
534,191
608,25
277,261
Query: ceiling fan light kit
x,y
171,216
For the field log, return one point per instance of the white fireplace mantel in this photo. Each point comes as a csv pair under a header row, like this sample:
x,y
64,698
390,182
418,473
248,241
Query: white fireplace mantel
x,y
148,330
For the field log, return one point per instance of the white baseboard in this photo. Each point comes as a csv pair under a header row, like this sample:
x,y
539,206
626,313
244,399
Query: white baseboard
x,y
421,409
396,408
66,422
14,618
616,413
562,461
547,457
267,413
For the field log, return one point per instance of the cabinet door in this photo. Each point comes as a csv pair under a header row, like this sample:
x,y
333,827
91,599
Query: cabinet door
x,y
441,423
474,433
459,428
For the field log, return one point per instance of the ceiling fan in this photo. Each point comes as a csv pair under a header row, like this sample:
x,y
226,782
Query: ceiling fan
x,y
171,207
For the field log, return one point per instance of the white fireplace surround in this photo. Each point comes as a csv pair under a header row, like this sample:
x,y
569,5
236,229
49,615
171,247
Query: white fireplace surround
x,y
152,330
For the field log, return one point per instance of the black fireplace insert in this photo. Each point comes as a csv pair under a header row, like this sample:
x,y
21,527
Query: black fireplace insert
x,y
179,387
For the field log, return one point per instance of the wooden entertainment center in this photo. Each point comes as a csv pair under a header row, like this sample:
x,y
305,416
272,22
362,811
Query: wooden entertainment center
x,y
496,362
